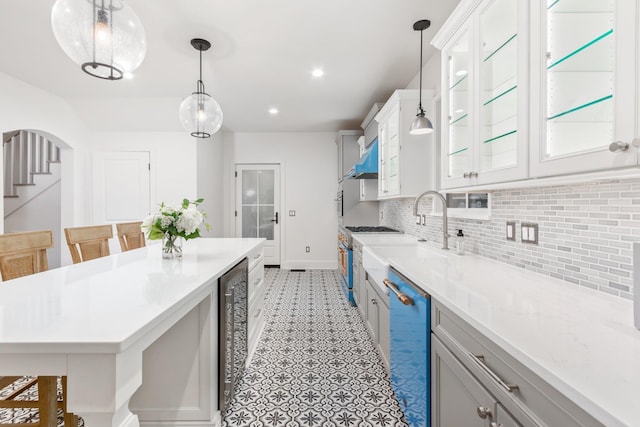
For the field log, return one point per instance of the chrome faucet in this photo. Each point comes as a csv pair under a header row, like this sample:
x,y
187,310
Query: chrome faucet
x,y
445,221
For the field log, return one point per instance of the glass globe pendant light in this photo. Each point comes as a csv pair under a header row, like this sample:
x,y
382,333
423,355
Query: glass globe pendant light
x,y
105,37
421,125
200,114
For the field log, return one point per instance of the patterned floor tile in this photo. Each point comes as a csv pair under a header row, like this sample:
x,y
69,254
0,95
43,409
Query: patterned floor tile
x,y
315,364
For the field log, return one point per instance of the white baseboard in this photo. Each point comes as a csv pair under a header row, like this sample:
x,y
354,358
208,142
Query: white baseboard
x,y
310,265
215,422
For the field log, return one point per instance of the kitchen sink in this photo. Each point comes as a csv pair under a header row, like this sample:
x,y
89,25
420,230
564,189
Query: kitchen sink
x,y
375,259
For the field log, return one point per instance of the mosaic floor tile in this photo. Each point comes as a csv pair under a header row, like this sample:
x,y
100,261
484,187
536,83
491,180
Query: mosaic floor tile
x,y
315,364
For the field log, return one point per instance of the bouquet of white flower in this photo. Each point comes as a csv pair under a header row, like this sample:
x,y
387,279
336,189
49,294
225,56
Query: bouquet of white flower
x,y
173,222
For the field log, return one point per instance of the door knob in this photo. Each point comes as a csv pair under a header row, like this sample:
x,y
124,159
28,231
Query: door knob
x,y
618,146
275,219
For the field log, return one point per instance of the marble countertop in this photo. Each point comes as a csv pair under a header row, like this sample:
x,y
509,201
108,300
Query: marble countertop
x,y
106,304
582,342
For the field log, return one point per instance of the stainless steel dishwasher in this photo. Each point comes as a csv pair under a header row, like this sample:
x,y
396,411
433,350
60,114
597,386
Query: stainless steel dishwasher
x,y
232,330
410,348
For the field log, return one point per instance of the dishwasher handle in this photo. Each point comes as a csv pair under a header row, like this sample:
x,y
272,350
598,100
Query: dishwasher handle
x,y
406,300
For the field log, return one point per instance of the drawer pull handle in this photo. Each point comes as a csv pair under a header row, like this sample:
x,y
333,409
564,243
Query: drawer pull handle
x,y
484,412
479,360
406,300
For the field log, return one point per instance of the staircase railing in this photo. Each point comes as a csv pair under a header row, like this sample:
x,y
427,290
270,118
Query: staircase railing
x,y
26,154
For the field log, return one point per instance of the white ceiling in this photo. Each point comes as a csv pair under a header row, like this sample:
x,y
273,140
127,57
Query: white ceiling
x,y
262,56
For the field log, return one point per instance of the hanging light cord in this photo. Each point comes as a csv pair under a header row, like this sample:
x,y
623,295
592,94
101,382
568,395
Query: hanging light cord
x,y
420,110
200,84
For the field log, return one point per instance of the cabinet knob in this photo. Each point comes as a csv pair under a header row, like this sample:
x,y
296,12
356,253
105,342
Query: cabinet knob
x,y
484,412
618,146
373,301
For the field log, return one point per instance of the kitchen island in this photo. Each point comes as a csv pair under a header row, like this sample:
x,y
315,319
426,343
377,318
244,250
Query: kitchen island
x,y
93,321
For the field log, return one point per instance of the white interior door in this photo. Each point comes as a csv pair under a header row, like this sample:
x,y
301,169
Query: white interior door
x,y
120,186
258,207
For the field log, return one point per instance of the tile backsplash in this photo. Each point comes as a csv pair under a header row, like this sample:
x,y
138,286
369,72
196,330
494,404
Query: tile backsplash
x,y
586,231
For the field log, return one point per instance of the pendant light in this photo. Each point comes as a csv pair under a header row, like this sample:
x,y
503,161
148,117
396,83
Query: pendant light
x,y
200,114
104,37
421,125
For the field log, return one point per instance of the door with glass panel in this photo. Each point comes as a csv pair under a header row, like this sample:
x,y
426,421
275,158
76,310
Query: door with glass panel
x,y
258,206
586,63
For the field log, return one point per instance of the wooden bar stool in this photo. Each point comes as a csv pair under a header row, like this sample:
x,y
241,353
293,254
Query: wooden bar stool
x,y
22,254
90,242
130,235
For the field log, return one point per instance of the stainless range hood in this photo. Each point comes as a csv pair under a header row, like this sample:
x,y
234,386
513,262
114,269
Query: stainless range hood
x,y
367,166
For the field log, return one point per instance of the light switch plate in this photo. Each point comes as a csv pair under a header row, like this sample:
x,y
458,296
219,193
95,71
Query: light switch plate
x,y
529,233
511,230
292,213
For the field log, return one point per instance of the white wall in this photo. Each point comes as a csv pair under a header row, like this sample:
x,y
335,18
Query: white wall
x,y
173,161
308,170
210,164
30,217
27,107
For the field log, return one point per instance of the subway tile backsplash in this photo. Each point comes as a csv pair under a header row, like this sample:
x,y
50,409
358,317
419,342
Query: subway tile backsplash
x,y
586,231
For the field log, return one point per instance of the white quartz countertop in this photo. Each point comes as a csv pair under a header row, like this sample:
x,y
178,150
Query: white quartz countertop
x,y
580,341
104,305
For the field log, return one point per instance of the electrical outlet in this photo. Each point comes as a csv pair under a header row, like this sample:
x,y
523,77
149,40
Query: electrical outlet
x,y
529,233
292,213
307,249
418,220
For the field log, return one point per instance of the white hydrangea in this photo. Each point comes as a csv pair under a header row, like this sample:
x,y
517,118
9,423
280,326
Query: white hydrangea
x,y
167,210
189,220
166,221
147,223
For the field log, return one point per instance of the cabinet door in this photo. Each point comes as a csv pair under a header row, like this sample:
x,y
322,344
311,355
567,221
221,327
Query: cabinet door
x,y
585,59
457,397
457,135
372,312
393,150
501,152
384,332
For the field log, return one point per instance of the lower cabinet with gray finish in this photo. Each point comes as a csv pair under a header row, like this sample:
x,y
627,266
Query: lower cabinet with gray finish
x,y
477,383
378,319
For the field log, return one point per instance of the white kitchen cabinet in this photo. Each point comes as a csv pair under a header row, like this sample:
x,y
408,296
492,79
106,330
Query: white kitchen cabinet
x,y
474,378
255,299
378,319
584,68
536,89
406,163
485,91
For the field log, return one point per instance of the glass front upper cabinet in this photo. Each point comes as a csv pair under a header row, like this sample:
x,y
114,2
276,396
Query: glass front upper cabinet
x,y
459,151
498,86
579,75
589,86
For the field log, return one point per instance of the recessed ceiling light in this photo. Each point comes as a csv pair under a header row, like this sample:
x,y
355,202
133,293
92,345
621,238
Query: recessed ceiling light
x,y
273,111
317,72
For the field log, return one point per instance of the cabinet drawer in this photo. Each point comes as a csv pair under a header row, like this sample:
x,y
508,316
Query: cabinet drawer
x,y
525,395
255,257
255,317
256,277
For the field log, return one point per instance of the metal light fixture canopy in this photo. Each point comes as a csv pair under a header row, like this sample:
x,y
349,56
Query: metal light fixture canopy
x,y
105,37
421,125
200,114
